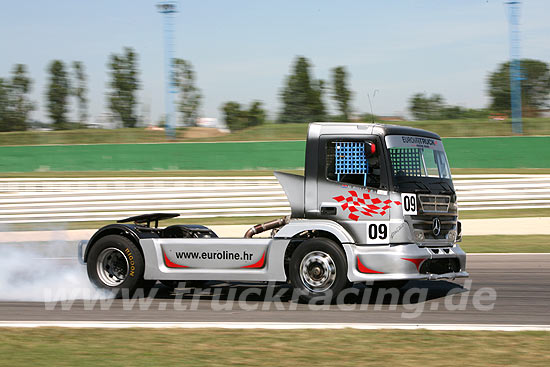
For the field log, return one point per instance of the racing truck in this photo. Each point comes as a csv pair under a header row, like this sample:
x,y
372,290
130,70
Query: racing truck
x,y
376,204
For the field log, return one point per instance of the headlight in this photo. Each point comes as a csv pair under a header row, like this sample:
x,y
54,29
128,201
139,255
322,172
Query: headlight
x,y
418,236
451,236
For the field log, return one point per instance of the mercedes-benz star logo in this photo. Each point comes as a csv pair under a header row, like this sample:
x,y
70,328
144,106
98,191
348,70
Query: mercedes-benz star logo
x,y
436,226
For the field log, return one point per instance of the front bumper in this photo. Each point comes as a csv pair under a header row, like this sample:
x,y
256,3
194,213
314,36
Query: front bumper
x,y
82,251
405,262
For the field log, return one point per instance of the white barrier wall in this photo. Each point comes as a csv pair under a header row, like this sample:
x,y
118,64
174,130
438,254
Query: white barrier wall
x,y
34,200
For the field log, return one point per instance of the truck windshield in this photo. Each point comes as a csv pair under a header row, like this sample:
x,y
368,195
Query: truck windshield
x,y
418,159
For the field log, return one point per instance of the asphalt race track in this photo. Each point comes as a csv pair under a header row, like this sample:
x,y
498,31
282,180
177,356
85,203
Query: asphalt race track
x,y
521,282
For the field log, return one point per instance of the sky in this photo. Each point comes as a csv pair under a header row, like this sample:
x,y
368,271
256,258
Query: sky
x,y
243,49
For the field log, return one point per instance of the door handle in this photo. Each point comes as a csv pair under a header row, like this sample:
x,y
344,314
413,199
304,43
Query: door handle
x,y
328,210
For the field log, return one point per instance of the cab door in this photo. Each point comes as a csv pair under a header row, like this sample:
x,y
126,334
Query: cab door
x,y
352,187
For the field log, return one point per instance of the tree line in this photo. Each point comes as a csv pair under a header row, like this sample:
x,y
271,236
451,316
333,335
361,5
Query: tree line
x,y
535,89
66,81
303,97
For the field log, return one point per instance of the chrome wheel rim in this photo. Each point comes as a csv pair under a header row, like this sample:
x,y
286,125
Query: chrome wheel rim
x,y
112,267
317,271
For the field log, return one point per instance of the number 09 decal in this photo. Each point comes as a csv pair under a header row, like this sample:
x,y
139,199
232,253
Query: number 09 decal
x,y
409,204
378,232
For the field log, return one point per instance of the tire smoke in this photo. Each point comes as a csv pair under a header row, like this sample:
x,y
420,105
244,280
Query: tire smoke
x,y
44,272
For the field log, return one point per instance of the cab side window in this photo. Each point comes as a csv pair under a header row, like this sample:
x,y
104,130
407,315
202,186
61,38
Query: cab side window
x,y
352,162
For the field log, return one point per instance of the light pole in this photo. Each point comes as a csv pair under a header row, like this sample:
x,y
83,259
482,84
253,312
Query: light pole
x,y
168,9
515,67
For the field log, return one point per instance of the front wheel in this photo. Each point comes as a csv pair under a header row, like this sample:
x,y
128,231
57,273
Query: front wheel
x,y
116,264
318,268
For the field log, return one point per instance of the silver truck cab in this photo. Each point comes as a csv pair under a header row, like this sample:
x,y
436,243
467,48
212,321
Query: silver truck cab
x,y
389,190
376,204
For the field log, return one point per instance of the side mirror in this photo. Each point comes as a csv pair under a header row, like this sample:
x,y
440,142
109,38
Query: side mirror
x,y
370,149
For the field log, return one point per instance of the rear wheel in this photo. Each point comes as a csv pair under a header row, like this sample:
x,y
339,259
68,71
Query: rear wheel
x,y
116,264
318,268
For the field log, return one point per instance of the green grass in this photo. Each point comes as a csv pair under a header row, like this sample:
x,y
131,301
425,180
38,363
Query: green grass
x,y
475,127
503,213
481,214
446,128
474,214
491,171
485,244
215,347
506,244
214,173
84,136
168,173
265,132
98,224
141,135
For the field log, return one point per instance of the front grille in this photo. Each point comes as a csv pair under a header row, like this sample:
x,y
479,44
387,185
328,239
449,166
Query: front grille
x,y
440,266
425,224
431,207
434,203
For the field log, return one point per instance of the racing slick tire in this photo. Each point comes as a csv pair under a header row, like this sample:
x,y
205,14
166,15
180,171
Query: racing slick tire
x,y
116,264
318,268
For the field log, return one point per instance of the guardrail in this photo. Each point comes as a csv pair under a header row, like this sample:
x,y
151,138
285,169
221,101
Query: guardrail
x,y
34,200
